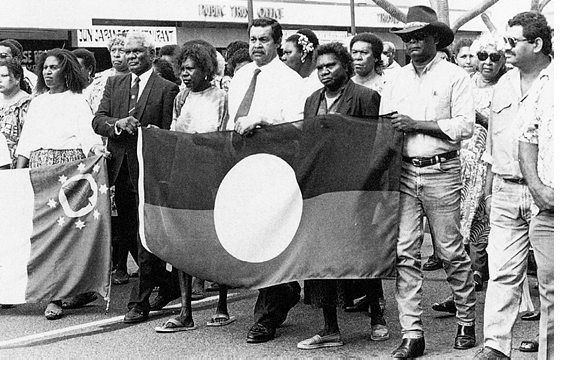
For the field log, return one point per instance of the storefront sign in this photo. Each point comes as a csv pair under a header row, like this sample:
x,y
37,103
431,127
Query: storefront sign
x,y
218,11
99,36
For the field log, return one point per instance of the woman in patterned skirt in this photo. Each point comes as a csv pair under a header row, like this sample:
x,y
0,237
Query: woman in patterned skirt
x,y
58,127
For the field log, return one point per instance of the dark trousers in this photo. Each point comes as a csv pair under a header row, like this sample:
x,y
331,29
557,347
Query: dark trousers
x,y
152,270
275,302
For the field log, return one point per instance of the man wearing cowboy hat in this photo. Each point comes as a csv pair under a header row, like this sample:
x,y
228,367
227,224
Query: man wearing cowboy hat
x,y
434,109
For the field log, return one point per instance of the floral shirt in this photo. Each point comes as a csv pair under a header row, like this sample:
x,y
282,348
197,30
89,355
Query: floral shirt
x,y
12,118
536,119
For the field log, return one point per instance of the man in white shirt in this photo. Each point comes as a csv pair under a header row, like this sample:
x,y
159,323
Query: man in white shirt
x,y
391,66
434,104
276,99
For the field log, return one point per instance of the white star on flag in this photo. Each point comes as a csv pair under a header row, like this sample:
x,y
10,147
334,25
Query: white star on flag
x,y
80,224
103,189
81,167
96,168
52,203
62,179
96,214
61,221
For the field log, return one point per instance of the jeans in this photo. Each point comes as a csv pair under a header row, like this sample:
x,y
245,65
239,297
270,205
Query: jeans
x,y
542,237
508,249
435,191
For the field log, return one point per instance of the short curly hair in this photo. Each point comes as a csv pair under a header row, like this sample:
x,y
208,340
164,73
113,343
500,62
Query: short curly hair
x,y
340,52
203,54
376,47
534,26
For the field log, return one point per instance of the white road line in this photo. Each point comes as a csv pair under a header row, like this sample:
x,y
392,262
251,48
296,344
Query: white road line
x,y
102,322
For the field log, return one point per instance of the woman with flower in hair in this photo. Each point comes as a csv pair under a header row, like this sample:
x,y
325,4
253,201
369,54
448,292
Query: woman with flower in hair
x,y
299,54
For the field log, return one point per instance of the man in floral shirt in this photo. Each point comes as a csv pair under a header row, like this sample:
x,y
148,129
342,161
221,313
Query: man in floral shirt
x,y
536,159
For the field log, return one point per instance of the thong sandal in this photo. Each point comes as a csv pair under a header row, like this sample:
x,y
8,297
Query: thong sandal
x,y
531,316
174,325
529,346
53,311
220,319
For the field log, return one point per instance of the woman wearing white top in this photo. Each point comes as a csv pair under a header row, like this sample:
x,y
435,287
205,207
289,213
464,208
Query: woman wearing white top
x,y
58,127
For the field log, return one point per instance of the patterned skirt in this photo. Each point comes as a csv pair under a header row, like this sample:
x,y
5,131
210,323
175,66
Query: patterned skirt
x,y
48,157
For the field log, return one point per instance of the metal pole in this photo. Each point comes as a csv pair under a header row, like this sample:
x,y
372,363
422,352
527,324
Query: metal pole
x,y
250,13
352,7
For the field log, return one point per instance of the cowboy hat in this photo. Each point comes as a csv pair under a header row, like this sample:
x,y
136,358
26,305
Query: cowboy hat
x,y
423,17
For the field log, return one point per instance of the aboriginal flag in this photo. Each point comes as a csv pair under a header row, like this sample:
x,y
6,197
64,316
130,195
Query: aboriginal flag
x,y
54,231
283,204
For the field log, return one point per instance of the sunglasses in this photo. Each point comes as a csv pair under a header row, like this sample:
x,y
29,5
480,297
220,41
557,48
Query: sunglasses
x,y
494,56
418,36
512,41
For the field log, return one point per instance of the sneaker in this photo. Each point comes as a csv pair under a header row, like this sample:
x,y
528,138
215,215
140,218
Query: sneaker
x,y
317,341
488,353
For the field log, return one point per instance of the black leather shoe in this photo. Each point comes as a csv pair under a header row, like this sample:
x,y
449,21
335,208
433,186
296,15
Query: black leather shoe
x,y
466,337
260,333
135,315
409,349
447,306
160,302
433,263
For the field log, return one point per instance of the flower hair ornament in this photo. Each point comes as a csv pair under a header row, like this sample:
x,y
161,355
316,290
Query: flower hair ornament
x,y
307,46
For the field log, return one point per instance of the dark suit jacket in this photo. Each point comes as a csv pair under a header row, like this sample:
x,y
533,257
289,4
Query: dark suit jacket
x,y
154,107
356,100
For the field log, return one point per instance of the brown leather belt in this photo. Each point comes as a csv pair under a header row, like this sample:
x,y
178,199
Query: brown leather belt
x,y
520,181
427,161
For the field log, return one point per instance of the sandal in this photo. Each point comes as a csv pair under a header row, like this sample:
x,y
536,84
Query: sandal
x,y
174,325
531,316
529,346
79,300
220,319
54,310
197,295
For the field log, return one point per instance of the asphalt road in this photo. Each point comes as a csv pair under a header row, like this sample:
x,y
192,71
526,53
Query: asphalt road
x,y
90,334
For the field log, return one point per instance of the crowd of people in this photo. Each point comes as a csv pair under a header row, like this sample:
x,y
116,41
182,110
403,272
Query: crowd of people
x,y
477,158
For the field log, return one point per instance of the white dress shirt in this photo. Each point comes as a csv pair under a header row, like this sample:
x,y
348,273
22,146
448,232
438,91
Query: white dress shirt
x,y
442,93
144,77
278,97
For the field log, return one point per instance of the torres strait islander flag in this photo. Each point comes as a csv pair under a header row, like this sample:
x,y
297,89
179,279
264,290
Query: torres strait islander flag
x,y
283,204
54,231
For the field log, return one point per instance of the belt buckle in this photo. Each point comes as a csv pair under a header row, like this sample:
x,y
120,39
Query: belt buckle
x,y
416,162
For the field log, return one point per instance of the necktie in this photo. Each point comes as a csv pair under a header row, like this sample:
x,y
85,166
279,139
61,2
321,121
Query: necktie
x,y
247,100
133,96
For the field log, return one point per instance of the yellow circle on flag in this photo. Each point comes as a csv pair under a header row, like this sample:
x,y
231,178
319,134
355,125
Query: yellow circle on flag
x,y
258,208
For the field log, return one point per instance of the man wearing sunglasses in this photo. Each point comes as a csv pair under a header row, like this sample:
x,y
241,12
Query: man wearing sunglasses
x,y
528,44
435,111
